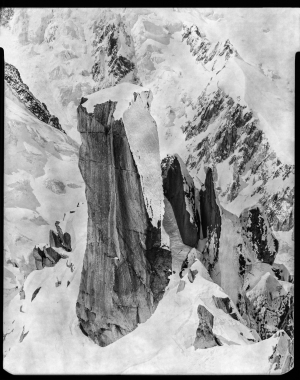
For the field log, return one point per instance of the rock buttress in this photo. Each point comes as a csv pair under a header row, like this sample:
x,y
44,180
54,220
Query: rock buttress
x,y
125,271
210,223
173,183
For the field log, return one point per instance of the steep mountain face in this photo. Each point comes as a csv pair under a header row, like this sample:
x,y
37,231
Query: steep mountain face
x,y
41,180
237,252
229,138
125,271
14,80
113,52
205,52
221,123
271,304
180,192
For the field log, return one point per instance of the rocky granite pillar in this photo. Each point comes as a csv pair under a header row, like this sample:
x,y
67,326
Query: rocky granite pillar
x,y
125,271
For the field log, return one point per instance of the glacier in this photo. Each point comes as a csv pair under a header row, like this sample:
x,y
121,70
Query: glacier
x,y
210,87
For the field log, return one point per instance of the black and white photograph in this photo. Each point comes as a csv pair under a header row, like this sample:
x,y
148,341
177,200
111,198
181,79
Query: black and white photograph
x,y
149,176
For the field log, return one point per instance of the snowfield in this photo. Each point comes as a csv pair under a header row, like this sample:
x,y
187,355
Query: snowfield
x,y
169,106
162,345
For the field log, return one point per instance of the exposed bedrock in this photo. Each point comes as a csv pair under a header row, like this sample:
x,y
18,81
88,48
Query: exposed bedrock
x,y
210,213
238,253
197,212
178,196
125,271
46,257
225,305
258,236
204,334
21,90
210,222
60,239
270,306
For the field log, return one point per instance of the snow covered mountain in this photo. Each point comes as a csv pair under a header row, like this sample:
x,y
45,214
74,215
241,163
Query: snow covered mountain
x,y
176,213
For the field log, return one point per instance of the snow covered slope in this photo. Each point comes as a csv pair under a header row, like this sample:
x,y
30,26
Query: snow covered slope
x,y
163,344
223,101
42,182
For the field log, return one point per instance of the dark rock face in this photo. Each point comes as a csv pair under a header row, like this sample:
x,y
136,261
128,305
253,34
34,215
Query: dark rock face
x,y
239,138
21,90
48,257
257,234
210,221
125,271
45,258
225,305
204,335
271,308
60,242
107,42
281,221
35,293
210,213
201,47
173,184
206,212
60,239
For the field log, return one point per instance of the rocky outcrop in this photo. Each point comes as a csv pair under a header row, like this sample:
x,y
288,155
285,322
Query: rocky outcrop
x,y
210,222
204,334
21,90
113,51
125,271
60,239
204,51
239,140
197,212
46,256
225,305
257,235
181,195
281,272
254,254
282,358
270,306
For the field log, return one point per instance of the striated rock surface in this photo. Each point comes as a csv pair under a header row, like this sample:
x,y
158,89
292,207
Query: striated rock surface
x,y
21,90
238,256
239,146
46,257
125,271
